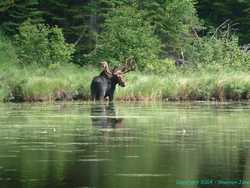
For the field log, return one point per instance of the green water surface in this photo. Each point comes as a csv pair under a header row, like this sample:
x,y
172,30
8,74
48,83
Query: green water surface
x,y
121,145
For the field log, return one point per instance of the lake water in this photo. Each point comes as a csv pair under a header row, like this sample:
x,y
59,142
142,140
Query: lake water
x,y
120,145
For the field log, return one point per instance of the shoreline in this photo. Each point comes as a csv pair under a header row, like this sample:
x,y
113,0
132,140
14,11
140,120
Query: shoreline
x,y
70,83
132,99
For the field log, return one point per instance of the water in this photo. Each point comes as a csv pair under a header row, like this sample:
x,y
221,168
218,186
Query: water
x,y
139,145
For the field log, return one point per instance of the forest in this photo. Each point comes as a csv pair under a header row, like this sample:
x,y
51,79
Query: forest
x,y
184,49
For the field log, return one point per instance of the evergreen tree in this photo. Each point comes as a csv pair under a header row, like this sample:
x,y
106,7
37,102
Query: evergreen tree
x,y
5,4
20,11
215,12
74,17
174,21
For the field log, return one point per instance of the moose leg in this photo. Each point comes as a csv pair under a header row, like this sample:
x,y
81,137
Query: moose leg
x,y
97,91
111,98
99,94
93,93
102,95
111,93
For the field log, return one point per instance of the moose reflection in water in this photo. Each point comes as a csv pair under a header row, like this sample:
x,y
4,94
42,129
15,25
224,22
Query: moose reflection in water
x,y
103,86
104,116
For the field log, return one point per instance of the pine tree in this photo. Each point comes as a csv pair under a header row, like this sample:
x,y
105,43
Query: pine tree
x,y
19,12
81,21
215,12
174,22
5,4
74,17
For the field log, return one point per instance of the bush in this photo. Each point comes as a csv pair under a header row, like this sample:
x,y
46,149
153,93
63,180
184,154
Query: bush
x,y
162,66
127,34
42,45
218,52
8,59
7,51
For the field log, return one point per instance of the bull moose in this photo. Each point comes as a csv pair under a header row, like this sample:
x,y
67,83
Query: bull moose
x,y
103,86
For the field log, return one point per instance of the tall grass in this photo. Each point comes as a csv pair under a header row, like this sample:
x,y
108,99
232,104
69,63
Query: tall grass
x,y
187,86
36,83
70,82
33,82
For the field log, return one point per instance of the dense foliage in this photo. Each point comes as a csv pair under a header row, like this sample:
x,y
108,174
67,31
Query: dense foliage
x,y
41,44
90,25
217,53
174,22
126,34
17,12
214,12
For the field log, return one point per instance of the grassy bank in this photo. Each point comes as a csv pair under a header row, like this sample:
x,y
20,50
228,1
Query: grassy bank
x,y
35,83
188,86
70,82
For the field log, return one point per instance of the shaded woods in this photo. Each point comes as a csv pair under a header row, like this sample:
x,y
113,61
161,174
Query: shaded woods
x,y
184,49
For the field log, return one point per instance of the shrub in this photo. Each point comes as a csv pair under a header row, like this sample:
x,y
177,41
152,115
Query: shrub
x,y
7,51
218,52
127,34
42,44
162,66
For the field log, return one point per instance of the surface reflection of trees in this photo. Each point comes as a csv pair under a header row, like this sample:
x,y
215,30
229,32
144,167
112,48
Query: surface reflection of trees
x,y
104,116
231,170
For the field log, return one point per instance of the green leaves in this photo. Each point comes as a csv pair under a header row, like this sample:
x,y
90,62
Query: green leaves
x,y
19,11
127,34
7,51
5,4
173,21
60,51
218,53
42,45
215,12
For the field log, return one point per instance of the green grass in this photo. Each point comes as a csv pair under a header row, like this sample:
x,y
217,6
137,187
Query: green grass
x,y
187,86
34,83
70,82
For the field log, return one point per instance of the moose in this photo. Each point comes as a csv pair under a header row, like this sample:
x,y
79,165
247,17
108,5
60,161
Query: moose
x,y
103,86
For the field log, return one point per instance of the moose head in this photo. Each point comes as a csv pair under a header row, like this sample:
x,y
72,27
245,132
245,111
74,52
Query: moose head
x,y
118,72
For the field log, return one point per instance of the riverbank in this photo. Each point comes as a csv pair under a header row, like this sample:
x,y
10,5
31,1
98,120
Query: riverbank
x,y
37,83
70,82
215,86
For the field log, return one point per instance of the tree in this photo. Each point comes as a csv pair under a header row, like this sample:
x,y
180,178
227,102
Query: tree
x,y
5,4
215,12
40,44
18,12
75,19
174,21
127,34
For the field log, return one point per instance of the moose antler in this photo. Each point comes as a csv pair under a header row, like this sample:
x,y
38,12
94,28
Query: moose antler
x,y
129,65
